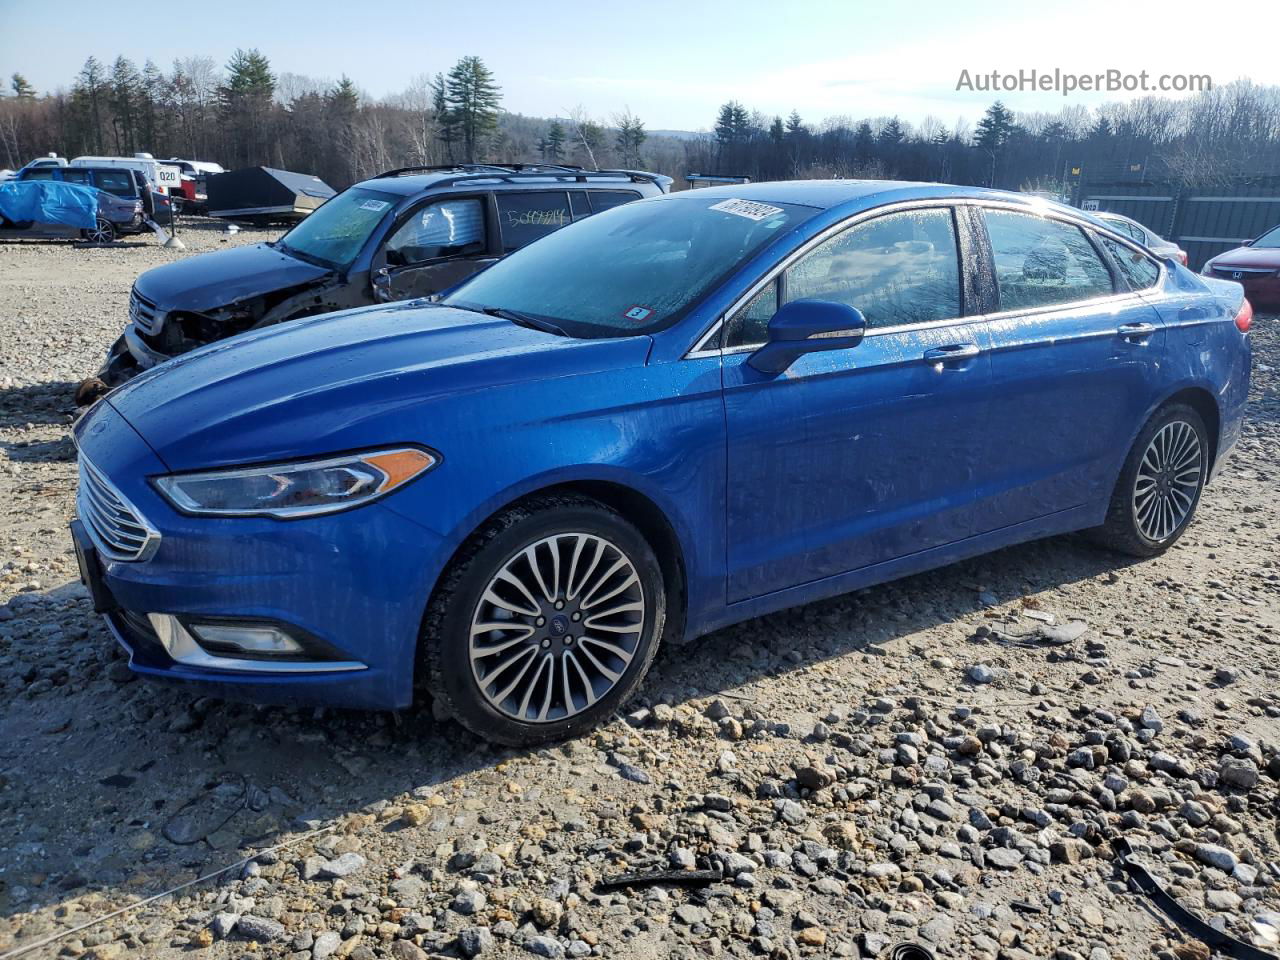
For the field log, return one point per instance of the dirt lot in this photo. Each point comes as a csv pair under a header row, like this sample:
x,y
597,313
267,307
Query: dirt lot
x,y
933,760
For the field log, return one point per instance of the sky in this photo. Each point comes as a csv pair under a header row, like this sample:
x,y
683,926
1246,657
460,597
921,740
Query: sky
x,y
671,63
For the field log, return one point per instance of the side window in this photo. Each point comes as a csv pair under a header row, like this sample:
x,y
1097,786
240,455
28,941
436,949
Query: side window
x,y
38,173
527,216
1139,269
900,268
750,325
578,204
115,181
75,176
444,229
1041,262
608,199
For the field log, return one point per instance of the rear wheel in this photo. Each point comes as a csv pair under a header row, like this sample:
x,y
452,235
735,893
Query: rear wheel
x,y
1160,485
103,231
546,623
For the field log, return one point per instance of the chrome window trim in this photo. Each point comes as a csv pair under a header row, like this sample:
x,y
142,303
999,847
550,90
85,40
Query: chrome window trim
x,y
699,349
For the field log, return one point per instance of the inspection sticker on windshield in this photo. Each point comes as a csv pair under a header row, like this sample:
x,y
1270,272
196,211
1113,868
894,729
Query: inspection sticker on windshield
x,y
747,208
375,205
638,313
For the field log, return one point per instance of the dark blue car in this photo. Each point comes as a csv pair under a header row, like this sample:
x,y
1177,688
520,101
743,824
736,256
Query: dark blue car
x,y
675,415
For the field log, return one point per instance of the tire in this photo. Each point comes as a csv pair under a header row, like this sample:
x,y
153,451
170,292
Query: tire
x,y
1159,488
537,680
103,232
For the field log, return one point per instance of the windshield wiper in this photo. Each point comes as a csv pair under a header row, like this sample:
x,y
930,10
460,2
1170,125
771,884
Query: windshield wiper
x,y
526,320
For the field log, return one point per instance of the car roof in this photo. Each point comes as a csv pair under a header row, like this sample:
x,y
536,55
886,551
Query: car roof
x,y
411,185
828,194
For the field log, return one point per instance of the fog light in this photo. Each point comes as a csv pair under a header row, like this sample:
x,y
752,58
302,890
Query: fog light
x,y
240,638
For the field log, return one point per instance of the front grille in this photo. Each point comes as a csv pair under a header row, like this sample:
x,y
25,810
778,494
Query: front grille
x,y
144,314
118,530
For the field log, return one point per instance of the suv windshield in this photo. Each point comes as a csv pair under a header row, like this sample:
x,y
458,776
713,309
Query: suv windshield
x,y
634,269
336,231
1269,239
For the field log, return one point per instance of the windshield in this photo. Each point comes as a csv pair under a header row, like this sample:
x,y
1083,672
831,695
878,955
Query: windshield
x,y
634,269
336,231
1270,239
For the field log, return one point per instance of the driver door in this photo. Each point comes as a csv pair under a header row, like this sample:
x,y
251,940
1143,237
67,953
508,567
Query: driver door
x,y
859,456
437,246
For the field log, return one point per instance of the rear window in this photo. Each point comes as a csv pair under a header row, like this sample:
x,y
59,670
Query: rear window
x,y
607,199
119,182
527,216
1139,269
38,173
1042,262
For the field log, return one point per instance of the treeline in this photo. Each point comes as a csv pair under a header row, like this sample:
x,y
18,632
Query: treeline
x,y
1223,133
244,113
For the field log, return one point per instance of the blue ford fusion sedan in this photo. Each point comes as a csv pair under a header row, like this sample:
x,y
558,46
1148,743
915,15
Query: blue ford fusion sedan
x,y
675,415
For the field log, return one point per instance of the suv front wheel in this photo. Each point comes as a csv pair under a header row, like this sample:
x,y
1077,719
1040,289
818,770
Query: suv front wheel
x,y
546,623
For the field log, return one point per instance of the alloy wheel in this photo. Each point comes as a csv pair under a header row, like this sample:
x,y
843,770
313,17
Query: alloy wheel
x,y
102,232
557,627
1168,480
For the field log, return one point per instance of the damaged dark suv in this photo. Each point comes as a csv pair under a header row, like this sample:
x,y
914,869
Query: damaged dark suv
x,y
407,233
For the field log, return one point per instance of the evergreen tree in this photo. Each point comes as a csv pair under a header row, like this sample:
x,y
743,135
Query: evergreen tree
x,y
995,127
446,127
795,126
863,142
1101,130
777,132
553,151
245,102
21,88
891,134
631,135
473,98
126,91
87,96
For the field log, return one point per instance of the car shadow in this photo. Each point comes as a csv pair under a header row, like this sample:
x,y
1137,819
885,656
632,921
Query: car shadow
x,y
128,787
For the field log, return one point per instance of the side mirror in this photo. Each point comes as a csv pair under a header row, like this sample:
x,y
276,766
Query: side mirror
x,y
1247,243
381,284
808,326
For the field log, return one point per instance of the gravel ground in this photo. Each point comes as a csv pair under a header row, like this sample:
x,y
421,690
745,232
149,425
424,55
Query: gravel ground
x,y
941,759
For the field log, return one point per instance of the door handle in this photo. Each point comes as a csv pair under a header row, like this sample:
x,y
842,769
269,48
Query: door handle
x,y
949,354
1135,331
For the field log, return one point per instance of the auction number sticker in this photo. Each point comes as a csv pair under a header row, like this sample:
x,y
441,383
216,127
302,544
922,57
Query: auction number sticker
x,y
747,208
375,205
638,313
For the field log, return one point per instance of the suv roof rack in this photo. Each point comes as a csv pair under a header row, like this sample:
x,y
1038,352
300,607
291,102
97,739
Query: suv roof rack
x,y
513,172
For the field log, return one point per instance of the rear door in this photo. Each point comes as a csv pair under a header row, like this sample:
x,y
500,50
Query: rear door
x,y
854,457
440,243
1075,362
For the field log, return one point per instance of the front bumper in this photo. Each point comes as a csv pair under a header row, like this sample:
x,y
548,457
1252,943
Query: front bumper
x,y
143,355
1262,288
358,582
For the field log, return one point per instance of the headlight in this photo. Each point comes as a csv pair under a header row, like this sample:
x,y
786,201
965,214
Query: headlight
x,y
300,489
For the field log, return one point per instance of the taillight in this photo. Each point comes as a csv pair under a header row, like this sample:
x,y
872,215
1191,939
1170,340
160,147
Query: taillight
x,y
1182,257
1244,319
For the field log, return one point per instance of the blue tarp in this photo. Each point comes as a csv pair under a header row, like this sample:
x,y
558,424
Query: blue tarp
x,y
49,201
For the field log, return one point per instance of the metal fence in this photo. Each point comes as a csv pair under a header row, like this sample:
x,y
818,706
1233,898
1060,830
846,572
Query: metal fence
x,y
1203,220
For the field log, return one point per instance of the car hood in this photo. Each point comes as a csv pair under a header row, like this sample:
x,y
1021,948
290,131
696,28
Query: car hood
x,y
1249,257
344,381
221,278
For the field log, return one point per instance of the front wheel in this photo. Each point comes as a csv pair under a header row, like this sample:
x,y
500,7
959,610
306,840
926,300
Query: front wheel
x,y
1160,485
546,623
103,231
